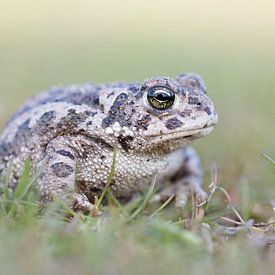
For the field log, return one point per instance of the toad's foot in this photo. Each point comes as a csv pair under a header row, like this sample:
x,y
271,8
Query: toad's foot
x,y
82,204
181,192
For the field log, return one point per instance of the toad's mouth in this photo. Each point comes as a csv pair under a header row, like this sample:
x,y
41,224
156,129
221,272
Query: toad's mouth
x,y
187,135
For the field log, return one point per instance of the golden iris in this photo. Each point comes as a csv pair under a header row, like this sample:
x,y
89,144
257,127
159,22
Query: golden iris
x,y
160,98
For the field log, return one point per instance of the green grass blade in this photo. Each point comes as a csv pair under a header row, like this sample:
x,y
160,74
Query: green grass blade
x,y
162,206
27,189
109,180
145,202
166,233
23,181
6,194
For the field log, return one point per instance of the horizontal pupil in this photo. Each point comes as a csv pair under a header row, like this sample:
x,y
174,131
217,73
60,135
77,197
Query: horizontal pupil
x,y
162,96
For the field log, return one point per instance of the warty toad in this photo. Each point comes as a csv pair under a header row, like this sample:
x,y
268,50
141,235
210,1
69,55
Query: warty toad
x,y
69,134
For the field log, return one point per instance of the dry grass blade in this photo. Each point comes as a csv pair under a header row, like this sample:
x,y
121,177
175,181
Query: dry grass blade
x,y
269,158
231,220
237,214
228,199
212,186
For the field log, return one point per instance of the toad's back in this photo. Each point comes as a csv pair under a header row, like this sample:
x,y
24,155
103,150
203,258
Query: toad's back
x,y
55,112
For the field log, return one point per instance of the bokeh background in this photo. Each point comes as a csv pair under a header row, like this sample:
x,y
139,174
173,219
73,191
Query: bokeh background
x,y
230,43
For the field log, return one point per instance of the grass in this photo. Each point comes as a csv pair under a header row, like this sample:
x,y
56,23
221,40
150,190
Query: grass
x,y
137,237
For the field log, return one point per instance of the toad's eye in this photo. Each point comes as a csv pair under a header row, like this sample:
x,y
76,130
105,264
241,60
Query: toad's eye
x,y
160,98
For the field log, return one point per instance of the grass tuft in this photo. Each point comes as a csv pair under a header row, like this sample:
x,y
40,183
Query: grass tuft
x,y
23,201
153,236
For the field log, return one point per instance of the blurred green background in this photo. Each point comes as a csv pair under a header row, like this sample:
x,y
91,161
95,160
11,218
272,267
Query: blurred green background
x,y
230,43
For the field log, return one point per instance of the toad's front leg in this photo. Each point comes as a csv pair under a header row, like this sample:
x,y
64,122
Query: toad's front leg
x,y
57,178
185,174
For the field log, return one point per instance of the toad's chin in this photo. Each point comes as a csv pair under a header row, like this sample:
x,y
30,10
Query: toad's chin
x,y
187,135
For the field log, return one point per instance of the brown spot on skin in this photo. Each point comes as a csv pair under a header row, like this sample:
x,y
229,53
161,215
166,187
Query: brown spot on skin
x,y
107,121
71,121
45,123
110,94
185,113
23,128
118,112
133,88
124,142
66,154
193,100
90,113
173,123
62,170
207,110
46,117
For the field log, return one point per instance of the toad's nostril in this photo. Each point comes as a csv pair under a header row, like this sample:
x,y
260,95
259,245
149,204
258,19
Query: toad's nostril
x,y
199,103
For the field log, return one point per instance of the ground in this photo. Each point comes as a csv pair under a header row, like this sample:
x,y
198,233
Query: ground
x,y
231,45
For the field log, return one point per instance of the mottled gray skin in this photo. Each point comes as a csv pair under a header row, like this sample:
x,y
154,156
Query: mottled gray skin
x,y
69,133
